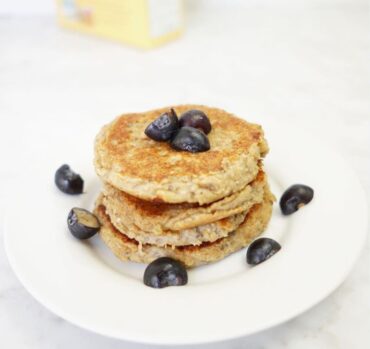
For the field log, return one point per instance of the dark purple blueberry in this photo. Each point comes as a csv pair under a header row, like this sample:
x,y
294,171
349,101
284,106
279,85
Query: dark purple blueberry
x,y
68,181
164,272
295,197
261,249
82,223
164,127
197,119
190,139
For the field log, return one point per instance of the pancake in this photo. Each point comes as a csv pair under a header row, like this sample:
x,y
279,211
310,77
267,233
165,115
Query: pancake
x,y
127,249
128,160
158,218
192,236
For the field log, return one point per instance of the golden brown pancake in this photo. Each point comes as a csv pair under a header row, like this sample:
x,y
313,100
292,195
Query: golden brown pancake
x,y
128,160
128,249
158,218
191,236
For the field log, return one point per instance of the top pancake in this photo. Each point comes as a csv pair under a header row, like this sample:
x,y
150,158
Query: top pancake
x,y
128,160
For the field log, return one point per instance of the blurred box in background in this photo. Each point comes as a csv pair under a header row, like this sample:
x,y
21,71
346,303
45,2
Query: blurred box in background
x,y
142,23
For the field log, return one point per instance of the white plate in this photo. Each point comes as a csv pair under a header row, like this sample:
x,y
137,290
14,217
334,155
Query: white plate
x,y
83,283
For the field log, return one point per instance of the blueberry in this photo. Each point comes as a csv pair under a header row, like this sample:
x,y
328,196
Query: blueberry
x,y
68,181
261,249
295,197
164,127
82,223
164,272
197,119
190,139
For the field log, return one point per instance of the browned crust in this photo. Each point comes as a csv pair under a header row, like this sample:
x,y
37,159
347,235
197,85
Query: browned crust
x,y
230,136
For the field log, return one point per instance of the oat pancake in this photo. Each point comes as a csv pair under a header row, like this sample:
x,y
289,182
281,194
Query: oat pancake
x,y
192,236
158,218
127,159
128,249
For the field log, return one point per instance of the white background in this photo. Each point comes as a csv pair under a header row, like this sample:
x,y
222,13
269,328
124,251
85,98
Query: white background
x,y
22,7
302,62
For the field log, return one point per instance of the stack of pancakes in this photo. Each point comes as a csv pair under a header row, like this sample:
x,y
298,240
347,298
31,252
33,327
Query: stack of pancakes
x,y
194,207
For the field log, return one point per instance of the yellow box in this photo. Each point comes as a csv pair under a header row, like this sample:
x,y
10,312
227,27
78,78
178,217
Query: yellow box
x,y
142,23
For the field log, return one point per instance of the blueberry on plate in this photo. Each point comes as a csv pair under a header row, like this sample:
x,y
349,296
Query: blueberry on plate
x,y
197,119
261,249
68,181
164,272
82,223
190,139
164,127
295,197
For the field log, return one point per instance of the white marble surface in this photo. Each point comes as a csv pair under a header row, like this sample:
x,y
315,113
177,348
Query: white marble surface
x,y
307,65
